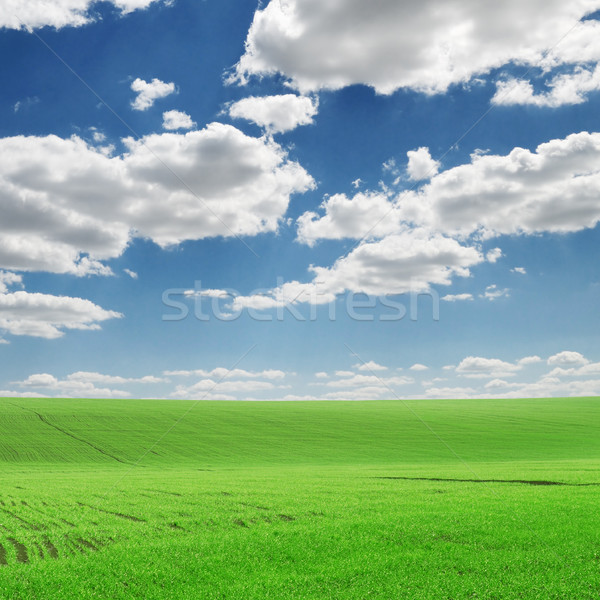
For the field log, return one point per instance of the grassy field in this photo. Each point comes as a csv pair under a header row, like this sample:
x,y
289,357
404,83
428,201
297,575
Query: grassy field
x,y
310,500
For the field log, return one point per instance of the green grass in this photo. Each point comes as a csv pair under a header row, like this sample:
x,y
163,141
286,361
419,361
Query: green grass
x,y
315,500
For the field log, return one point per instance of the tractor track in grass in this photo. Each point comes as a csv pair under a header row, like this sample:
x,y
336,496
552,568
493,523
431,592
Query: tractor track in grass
x,y
50,548
540,482
71,435
28,524
20,549
116,514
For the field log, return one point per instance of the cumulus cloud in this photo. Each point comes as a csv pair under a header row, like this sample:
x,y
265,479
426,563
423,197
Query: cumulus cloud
x,y
567,358
15,14
456,297
493,255
449,392
579,371
84,384
359,380
370,366
369,213
148,92
70,388
477,366
93,377
493,292
401,263
66,206
46,316
8,279
223,373
552,189
419,367
425,46
276,113
529,360
15,394
369,392
222,386
175,119
519,270
544,387
421,165
564,89
408,262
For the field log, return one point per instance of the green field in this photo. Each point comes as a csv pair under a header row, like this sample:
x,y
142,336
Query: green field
x,y
321,500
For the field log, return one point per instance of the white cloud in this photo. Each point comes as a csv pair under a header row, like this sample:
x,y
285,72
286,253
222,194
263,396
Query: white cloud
x,y
299,398
13,394
365,213
92,377
276,113
351,380
419,367
476,366
345,373
97,136
149,92
409,262
456,297
70,388
370,366
15,14
426,46
131,273
221,388
520,270
66,206
498,384
321,375
46,316
545,387
565,89
552,189
369,392
493,292
421,165
449,392
582,371
175,119
184,394
493,255
529,360
8,279
567,358
223,373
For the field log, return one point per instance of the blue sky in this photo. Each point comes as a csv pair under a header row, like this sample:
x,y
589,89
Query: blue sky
x,y
299,199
